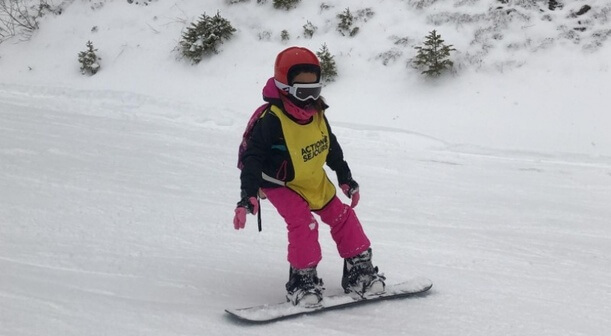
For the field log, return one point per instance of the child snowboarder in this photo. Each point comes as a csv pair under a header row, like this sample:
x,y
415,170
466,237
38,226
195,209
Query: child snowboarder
x,y
283,162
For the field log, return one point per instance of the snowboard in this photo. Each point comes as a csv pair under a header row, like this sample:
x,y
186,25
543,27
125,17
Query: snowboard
x,y
273,312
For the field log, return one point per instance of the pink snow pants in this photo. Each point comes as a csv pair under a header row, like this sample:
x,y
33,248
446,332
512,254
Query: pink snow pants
x,y
304,249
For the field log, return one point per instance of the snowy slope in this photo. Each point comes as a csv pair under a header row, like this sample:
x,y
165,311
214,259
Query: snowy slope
x,y
117,191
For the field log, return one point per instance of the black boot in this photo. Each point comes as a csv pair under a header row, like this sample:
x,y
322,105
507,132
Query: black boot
x,y
361,277
304,287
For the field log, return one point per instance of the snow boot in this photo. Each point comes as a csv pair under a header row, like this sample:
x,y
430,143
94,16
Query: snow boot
x,y
304,287
361,277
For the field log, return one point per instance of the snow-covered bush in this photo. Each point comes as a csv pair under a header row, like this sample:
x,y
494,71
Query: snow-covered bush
x,y
401,41
346,22
89,60
553,4
346,25
389,56
328,68
286,4
265,35
204,37
309,29
284,35
421,4
325,6
97,4
598,39
140,2
365,14
434,55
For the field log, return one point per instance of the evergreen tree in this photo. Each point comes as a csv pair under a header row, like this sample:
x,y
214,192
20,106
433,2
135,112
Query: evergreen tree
x,y
346,22
434,55
286,4
328,68
89,60
205,36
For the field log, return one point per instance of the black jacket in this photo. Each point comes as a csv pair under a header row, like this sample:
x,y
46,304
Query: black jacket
x,y
267,153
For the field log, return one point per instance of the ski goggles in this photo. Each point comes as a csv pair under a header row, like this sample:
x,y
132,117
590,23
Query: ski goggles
x,y
300,91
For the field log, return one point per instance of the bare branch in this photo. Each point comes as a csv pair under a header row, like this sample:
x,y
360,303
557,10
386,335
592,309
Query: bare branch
x,y
17,17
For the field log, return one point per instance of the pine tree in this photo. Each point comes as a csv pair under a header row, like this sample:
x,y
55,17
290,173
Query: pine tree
x,y
328,68
205,36
89,60
346,21
434,55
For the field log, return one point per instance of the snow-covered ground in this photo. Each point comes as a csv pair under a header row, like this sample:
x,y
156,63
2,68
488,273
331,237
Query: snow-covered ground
x,y
117,191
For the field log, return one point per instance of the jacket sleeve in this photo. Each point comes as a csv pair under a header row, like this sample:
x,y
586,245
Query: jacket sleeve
x,y
335,159
257,152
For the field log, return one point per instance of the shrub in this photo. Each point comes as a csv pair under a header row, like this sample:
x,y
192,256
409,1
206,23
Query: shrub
x,y
402,41
553,4
346,21
309,29
284,35
140,2
325,6
434,55
97,4
365,14
328,68
389,56
205,36
265,35
89,60
421,4
286,4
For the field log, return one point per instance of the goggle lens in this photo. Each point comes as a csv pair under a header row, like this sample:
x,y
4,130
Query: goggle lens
x,y
304,92
301,91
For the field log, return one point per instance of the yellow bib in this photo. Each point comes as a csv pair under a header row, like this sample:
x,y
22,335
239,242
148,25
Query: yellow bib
x,y
308,146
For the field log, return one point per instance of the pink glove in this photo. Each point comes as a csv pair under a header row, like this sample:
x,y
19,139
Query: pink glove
x,y
351,189
245,205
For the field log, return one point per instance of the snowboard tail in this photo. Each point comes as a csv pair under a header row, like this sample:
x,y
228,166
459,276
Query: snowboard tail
x,y
274,312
